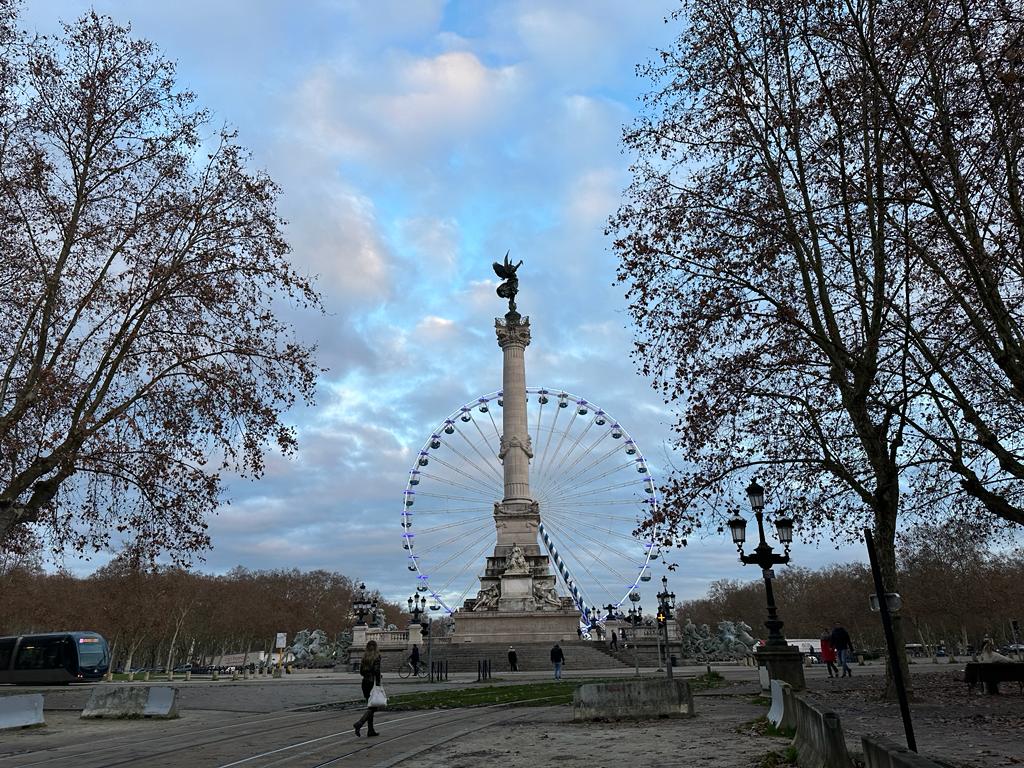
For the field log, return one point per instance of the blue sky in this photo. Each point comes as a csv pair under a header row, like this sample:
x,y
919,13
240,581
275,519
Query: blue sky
x,y
416,141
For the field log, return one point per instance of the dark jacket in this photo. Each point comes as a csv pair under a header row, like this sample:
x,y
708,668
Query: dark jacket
x,y
415,655
841,639
370,670
557,657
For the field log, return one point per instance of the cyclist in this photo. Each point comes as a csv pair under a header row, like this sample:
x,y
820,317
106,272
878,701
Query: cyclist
x,y
414,659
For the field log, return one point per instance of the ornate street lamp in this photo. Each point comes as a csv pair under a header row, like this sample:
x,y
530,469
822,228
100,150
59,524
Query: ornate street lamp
x,y
666,610
417,606
763,555
779,655
635,617
362,607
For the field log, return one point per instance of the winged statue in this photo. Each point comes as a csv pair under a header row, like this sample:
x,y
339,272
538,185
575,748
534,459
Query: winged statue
x,y
510,287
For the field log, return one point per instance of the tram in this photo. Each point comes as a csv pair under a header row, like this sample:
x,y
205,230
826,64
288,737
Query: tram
x,y
53,658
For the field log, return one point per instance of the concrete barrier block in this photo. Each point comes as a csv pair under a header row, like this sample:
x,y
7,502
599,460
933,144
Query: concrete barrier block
x,y
632,699
762,676
879,752
776,709
21,711
819,738
121,702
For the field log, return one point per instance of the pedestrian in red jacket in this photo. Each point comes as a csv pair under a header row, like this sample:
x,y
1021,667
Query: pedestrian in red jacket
x,y
828,654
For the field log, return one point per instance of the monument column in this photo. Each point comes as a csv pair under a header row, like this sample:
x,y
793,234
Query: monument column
x,y
515,452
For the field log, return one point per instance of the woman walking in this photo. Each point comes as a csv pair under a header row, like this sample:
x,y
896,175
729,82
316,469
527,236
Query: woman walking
x,y
369,668
828,654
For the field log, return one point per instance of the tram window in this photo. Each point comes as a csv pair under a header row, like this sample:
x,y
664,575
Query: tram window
x,y
42,653
6,649
91,651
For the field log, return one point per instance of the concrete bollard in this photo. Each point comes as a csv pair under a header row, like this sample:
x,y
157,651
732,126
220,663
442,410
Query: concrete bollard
x,y
819,738
188,675
277,673
860,660
145,676
632,699
120,702
216,675
131,677
879,752
234,675
21,711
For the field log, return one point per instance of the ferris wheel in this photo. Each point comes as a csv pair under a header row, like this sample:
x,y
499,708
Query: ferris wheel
x,y
591,480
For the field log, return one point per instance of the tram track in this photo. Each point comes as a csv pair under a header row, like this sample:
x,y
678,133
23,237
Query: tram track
x,y
461,714
177,746
268,722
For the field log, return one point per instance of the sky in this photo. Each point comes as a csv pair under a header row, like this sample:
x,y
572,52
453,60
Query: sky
x,y
416,141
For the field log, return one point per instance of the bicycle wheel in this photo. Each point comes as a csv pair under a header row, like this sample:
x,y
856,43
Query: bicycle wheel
x,y
405,670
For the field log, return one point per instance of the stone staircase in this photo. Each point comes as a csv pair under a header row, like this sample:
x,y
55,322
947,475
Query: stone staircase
x,y
533,657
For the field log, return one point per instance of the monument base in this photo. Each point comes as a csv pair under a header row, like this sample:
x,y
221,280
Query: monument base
x,y
515,627
783,663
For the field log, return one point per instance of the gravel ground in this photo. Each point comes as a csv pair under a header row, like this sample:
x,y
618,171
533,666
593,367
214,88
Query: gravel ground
x,y
720,736
962,727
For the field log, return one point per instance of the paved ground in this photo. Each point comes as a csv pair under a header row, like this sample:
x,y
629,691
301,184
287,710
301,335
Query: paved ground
x,y
262,723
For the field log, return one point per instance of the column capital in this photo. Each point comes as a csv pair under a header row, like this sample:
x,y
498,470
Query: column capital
x,y
514,329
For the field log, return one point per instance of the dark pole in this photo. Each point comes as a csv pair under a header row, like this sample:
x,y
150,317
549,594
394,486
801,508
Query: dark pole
x,y
890,641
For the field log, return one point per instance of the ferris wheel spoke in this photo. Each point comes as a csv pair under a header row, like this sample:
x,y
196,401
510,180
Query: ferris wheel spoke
x,y
497,432
567,523
424,551
488,466
547,444
468,563
635,520
596,462
565,469
456,524
472,582
480,486
491,449
571,450
582,563
594,491
609,531
445,496
540,413
605,474
561,439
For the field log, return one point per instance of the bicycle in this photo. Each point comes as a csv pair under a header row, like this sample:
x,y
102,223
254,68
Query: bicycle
x,y
407,670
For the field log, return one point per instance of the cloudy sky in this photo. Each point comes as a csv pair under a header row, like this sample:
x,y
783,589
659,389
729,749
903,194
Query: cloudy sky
x,y
416,141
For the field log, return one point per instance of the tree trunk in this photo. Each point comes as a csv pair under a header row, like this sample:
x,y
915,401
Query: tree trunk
x,y
885,543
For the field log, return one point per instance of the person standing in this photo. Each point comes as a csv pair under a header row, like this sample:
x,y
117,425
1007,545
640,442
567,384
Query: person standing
x,y
369,668
557,658
513,660
828,654
614,642
414,659
843,646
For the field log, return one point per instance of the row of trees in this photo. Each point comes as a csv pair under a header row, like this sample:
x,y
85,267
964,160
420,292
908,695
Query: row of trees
x,y
955,591
156,616
823,246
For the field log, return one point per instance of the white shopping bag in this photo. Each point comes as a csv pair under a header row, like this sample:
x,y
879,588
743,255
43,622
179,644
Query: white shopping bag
x,y
378,698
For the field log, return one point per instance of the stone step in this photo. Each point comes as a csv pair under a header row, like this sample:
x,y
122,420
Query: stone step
x,y
532,657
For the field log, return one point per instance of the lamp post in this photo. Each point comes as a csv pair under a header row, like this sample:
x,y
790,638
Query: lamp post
x,y
666,609
782,660
361,606
635,617
417,607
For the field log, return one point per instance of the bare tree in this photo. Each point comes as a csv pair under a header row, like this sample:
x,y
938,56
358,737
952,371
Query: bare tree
x,y
141,348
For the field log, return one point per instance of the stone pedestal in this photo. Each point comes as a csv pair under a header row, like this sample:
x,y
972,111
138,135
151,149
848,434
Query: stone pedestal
x,y
516,593
359,636
783,663
515,627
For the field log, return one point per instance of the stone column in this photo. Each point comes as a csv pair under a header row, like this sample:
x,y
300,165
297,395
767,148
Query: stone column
x,y
516,452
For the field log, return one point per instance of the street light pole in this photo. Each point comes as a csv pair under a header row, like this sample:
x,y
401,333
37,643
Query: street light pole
x,y
783,661
635,617
666,609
